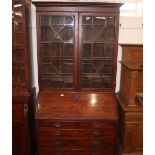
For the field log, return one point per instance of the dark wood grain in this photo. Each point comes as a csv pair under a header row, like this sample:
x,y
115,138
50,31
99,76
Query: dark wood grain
x,y
76,105
130,113
130,127
132,52
77,123
20,135
22,102
76,133
23,123
77,120
131,73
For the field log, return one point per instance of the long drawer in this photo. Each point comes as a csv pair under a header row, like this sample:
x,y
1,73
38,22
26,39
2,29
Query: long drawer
x,y
77,124
76,143
47,151
76,133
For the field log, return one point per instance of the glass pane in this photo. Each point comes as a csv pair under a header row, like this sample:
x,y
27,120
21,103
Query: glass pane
x,y
57,20
67,34
60,73
110,21
88,34
93,81
51,50
87,20
97,51
18,27
18,75
69,20
17,12
97,66
109,34
47,34
68,50
57,48
99,20
44,20
19,39
88,66
87,50
109,50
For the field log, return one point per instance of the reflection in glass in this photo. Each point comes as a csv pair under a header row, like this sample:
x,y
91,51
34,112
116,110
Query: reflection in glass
x,y
17,12
99,20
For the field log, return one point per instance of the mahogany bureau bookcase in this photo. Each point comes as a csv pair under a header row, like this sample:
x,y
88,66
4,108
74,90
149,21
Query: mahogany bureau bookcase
x,y
22,97
77,51
130,111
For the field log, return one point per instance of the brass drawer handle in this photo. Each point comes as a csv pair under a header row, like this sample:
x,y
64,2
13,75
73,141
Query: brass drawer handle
x,y
57,125
96,125
58,133
95,143
25,108
58,143
96,133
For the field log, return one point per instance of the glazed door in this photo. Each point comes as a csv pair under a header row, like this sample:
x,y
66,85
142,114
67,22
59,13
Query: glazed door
x,y
57,46
19,56
98,50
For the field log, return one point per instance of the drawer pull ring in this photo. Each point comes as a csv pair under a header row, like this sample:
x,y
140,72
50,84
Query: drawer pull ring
x,y
58,143
57,125
26,108
96,133
58,133
96,125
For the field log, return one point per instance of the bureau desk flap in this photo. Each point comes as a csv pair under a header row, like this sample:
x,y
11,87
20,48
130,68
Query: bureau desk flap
x,y
76,106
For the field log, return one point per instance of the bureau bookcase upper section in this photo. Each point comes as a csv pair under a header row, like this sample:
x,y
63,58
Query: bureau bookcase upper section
x,y
77,45
20,45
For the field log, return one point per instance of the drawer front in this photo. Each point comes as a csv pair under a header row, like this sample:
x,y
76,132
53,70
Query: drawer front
x,y
44,151
76,143
77,133
76,124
